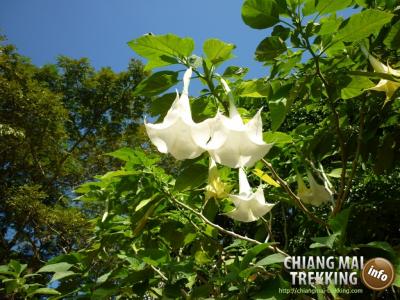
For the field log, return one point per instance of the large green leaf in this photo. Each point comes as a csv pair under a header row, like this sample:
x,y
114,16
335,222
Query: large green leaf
x,y
234,71
125,154
279,138
270,289
44,291
325,241
191,177
271,259
253,88
252,253
278,111
61,275
385,246
356,87
160,105
162,50
324,6
260,14
392,40
156,83
58,267
217,51
363,24
269,48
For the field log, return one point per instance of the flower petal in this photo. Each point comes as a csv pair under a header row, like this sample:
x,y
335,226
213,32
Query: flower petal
x,y
244,186
249,206
236,145
178,134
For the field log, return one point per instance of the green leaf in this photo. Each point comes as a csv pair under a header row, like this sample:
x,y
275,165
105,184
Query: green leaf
x,y
253,88
338,223
143,203
233,71
162,50
61,275
252,253
270,290
392,39
324,242
277,138
154,257
356,87
161,105
324,6
202,257
335,173
269,48
362,25
44,291
118,173
217,51
278,112
17,266
271,259
125,154
260,14
280,31
58,267
191,177
375,75
156,83
329,25
385,246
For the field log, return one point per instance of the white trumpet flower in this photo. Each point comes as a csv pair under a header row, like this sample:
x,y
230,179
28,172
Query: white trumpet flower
x,y
384,85
178,134
233,143
316,195
249,206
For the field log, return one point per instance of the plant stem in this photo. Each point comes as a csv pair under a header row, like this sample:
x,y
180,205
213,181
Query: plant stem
x,y
219,228
354,164
207,77
292,195
331,103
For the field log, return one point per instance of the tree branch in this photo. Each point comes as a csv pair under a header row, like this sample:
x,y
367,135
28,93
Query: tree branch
x,y
354,164
339,134
219,228
292,195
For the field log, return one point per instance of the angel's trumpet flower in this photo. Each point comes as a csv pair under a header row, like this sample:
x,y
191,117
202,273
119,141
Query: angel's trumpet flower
x,y
384,85
316,195
233,143
178,134
249,206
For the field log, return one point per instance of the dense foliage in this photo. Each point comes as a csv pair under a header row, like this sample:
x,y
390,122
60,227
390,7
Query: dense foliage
x,y
330,108
56,122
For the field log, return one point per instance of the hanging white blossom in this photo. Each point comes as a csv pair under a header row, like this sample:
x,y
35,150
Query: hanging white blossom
x,y
384,85
233,143
316,195
249,206
178,134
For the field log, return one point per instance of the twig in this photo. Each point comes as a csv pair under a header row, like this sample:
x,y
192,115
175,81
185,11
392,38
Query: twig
x,y
285,234
354,163
292,195
339,134
219,228
159,273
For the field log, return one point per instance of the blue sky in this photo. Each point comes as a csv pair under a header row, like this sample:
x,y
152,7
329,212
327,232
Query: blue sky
x,y
100,29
